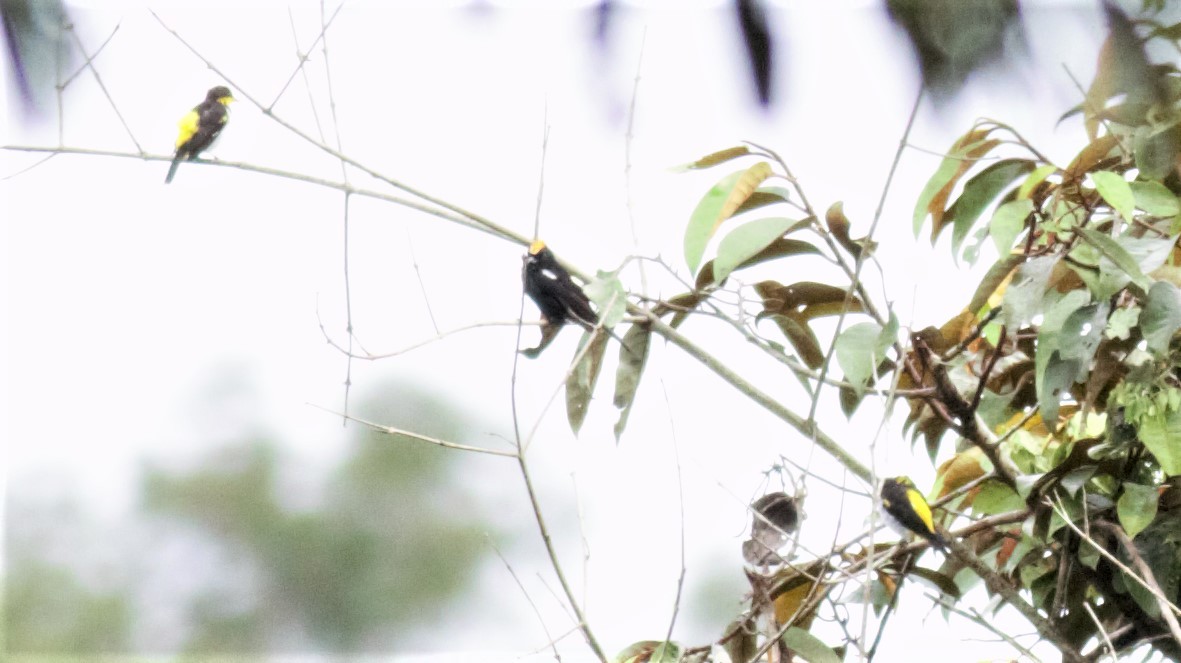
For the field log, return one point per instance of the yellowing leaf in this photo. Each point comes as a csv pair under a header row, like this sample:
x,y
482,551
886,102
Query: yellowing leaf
x,y
719,204
960,158
1098,150
716,158
633,354
580,386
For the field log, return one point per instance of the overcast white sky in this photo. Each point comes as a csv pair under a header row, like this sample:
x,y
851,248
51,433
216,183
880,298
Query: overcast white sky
x,y
127,300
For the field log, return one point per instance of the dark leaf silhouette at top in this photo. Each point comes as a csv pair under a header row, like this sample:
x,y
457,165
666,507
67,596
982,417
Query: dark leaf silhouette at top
x,y
954,39
760,51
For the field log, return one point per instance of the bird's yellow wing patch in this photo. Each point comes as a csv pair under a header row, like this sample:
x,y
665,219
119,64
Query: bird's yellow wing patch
x,y
188,126
921,509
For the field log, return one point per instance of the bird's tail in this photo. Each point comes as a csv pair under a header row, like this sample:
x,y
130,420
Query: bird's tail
x,y
172,170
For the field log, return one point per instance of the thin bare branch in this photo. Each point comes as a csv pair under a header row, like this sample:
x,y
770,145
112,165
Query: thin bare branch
x,y
102,86
249,167
474,219
90,58
627,161
304,55
550,641
390,430
672,622
998,584
864,253
426,300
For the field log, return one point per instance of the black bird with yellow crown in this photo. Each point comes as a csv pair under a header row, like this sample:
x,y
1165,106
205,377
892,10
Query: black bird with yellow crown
x,y
201,126
906,511
559,298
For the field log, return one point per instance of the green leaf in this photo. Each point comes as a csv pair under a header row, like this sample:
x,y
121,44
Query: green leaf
x,y
1115,190
995,497
1080,335
1059,376
801,337
888,336
1007,222
633,355
978,194
1023,297
1159,433
607,292
1058,341
1161,317
962,156
941,582
1156,152
716,158
762,197
580,386
745,242
1035,178
809,646
839,226
637,651
666,652
807,299
857,352
993,279
719,204
1117,256
1156,199
1121,322
1136,508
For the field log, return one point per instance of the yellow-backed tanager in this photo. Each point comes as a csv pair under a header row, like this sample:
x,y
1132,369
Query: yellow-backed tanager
x,y
201,126
549,285
906,511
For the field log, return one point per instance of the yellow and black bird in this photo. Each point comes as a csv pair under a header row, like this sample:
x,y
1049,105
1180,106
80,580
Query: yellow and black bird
x,y
906,511
200,126
560,299
549,285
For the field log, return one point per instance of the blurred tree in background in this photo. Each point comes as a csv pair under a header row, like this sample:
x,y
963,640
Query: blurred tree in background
x,y
393,539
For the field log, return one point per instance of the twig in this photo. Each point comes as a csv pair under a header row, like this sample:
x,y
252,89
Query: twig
x,y
672,622
488,225
442,335
807,428
299,177
864,253
426,300
303,57
542,528
1131,548
536,612
1099,627
390,430
1000,585
348,302
344,174
627,161
102,86
1146,578
89,58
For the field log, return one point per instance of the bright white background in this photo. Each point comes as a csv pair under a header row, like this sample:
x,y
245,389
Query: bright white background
x,y
126,300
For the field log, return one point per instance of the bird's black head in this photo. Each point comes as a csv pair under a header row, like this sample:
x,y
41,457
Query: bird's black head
x,y
218,93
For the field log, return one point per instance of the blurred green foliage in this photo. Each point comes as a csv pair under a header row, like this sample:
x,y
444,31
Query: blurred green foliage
x,y
389,538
